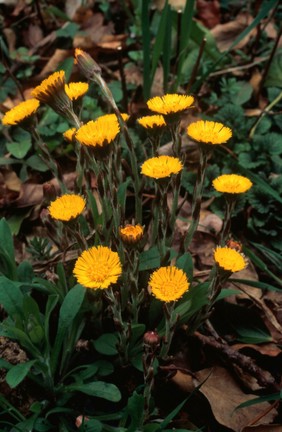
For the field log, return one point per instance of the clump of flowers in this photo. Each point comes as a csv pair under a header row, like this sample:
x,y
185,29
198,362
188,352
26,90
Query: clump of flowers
x,y
161,166
67,207
229,259
209,132
22,113
232,184
97,268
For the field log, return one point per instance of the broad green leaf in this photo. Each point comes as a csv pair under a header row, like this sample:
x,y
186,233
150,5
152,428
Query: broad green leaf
x,y
253,335
11,297
274,75
68,30
36,163
92,426
6,238
185,263
19,149
18,373
69,309
107,344
135,409
149,259
98,389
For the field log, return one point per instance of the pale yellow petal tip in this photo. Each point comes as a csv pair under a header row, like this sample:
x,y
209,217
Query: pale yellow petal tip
x,y
209,132
98,268
67,207
20,112
170,103
229,259
168,283
161,167
232,184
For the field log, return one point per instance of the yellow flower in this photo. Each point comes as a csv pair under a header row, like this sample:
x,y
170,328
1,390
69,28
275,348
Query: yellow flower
x,y
229,259
232,184
69,134
209,132
97,267
168,283
113,117
154,121
67,207
76,90
21,112
161,166
50,87
170,103
99,133
131,234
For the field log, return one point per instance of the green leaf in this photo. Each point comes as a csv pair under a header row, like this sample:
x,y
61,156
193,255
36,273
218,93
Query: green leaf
x,y
185,263
149,259
19,149
267,398
135,408
274,75
6,239
92,426
171,415
68,30
107,344
18,373
244,94
11,297
98,389
36,163
69,309
252,336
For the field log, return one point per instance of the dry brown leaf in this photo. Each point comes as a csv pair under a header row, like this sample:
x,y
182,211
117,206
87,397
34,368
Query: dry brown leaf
x,y
52,64
225,34
71,6
263,428
224,395
268,349
12,181
94,27
11,38
208,12
33,35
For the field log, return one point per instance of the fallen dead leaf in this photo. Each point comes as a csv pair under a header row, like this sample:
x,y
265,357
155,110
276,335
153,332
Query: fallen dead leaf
x,y
263,428
12,181
225,34
268,349
224,396
52,64
33,35
71,6
208,12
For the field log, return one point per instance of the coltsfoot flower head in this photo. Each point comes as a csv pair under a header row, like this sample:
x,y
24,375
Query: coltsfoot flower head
x,y
168,283
67,207
229,259
98,135
209,132
153,121
161,166
131,234
97,267
21,113
76,90
69,134
86,64
170,103
52,92
232,184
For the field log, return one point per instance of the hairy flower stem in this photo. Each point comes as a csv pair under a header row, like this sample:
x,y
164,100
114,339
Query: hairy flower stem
x,y
47,158
131,283
122,327
170,325
197,196
161,219
97,78
230,204
176,139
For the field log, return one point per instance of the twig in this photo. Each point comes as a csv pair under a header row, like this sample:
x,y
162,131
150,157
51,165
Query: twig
x,y
244,362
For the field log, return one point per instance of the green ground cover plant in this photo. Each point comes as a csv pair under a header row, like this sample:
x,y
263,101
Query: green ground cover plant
x,y
113,289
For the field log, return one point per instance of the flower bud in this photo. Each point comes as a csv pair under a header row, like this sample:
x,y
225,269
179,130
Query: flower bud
x,y
151,339
86,64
